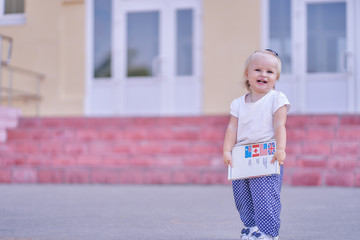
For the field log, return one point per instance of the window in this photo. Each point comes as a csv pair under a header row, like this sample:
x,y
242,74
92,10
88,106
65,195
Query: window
x,y
12,12
280,31
14,6
102,39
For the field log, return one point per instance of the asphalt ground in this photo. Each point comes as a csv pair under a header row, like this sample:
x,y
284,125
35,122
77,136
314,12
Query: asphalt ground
x,y
171,212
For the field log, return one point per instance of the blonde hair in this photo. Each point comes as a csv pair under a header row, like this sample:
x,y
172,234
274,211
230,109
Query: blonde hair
x,y
248,60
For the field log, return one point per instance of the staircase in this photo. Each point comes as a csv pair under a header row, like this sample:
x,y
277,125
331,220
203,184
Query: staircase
x,y
115,150
322,151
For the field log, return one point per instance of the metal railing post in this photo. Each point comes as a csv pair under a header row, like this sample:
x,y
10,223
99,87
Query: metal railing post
x,y
9,51
10,87
38,94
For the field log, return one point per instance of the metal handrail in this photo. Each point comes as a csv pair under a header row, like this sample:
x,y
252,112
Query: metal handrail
x,y
19,94
23,70
12,93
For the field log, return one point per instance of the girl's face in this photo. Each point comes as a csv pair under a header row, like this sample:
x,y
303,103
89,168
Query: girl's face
x,y
262,73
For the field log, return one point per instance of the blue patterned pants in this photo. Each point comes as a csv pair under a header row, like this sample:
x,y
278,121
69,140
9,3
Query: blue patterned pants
x,y
258,202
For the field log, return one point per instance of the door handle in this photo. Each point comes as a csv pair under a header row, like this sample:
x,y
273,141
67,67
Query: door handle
x,y
156,66
345,63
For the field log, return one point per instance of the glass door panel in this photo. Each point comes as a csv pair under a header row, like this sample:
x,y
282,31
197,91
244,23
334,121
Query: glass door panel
x,y
327,86
184,42
326,37
280,32
102,39
142,43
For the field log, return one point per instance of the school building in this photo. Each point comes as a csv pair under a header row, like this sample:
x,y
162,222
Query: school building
x,y
138,91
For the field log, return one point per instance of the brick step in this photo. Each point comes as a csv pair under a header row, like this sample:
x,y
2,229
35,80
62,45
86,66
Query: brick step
x,y
122,122
153,133
117,134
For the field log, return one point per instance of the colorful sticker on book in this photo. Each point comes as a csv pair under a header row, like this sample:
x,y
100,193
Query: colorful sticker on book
x,y
263,149
255,150
271,148
248,152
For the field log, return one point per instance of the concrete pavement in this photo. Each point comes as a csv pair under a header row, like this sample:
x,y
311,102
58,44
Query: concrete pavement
x,y
134,212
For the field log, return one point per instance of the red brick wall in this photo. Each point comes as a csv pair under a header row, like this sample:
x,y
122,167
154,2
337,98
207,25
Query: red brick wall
x,y
322,150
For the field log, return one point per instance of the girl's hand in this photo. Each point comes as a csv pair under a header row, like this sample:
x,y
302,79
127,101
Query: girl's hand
x,y
227,158
279,156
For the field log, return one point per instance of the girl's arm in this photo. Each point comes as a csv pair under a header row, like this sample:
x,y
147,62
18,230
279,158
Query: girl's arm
x,y
280,135
230,140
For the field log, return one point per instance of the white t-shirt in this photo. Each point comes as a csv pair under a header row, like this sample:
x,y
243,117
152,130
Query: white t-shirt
x,y
255,120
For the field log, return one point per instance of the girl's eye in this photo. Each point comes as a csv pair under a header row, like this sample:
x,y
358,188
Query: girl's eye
x,y
270,71
258,70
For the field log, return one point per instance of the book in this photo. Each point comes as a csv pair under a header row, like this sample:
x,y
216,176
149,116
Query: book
x,y
253,160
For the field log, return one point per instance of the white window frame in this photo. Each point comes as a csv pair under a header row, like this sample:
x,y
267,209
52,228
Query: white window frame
x,y
357,54
10,19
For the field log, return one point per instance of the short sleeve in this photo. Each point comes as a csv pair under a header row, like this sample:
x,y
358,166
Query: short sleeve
x,y
279,101
234,107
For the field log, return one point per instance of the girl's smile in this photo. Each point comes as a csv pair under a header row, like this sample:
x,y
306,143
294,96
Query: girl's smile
x,y
262,81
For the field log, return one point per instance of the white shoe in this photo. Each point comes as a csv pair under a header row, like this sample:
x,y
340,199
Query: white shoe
x,y
247,232
260,235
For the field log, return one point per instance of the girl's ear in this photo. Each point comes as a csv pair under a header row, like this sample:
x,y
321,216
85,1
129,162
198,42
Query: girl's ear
x,y
246,73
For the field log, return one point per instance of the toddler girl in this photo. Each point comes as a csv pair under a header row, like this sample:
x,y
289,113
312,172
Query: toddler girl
x,y
259,116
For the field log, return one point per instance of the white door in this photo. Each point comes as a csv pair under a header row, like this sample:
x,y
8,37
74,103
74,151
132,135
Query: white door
x,y
155,59
140,42
315,40
326,62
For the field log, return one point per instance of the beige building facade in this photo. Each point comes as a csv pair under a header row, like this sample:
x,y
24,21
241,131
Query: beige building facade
x,y
180,57
51,41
